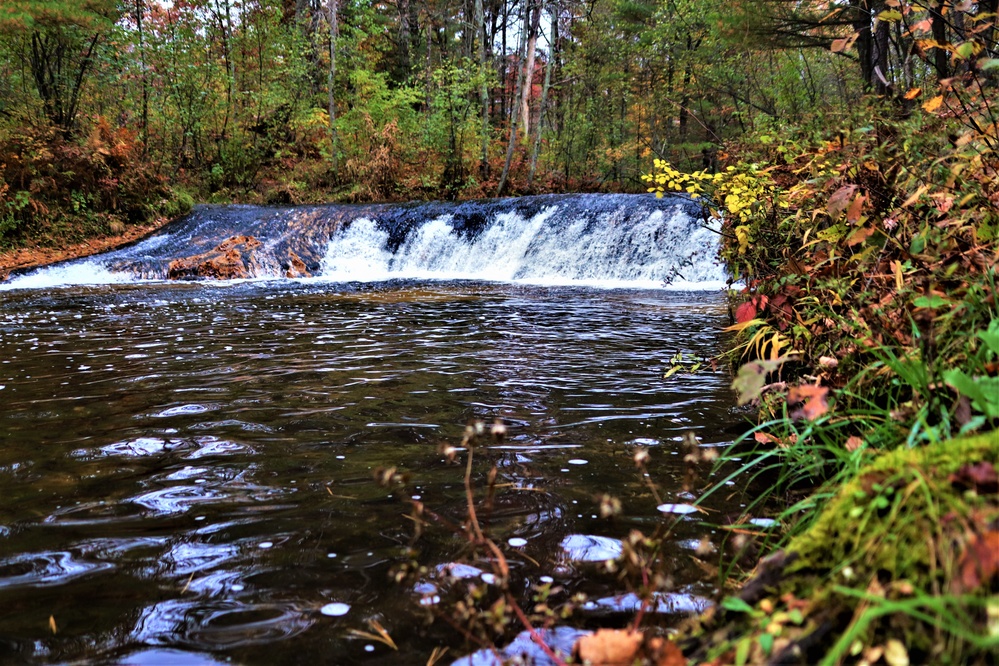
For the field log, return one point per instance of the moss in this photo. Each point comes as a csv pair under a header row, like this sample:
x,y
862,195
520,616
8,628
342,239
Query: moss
x,y
892,517
881,568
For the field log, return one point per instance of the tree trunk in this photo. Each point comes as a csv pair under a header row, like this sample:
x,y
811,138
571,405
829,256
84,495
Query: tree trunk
x,y
532,45
480,27
543,107
513,115
333,8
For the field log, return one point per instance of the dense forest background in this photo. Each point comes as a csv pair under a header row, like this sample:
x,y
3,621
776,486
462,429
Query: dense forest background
x,y
122,110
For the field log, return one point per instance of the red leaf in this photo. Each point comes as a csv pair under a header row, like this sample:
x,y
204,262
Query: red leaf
x,y
979,564
981,477
745,312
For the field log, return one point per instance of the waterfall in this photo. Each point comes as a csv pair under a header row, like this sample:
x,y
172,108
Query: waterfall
x,y
608,240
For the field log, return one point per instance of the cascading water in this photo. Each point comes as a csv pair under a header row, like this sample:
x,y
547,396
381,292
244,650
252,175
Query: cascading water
x,y
595,240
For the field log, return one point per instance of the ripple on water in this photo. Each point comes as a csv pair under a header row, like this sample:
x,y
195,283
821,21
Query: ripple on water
x,y
198,447
182,410
216,625
45,569
93,513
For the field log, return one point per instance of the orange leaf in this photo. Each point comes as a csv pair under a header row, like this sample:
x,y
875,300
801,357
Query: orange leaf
x,y
932,105
814,399
853,443
856,207
609,646
913,93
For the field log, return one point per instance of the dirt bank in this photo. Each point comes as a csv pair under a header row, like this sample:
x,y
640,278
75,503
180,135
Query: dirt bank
x,y
29,257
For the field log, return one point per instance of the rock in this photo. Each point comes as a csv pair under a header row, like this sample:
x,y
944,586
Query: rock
x,y
231,259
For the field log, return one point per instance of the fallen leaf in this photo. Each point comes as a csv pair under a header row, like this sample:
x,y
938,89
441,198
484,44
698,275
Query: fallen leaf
x,y
855,209
979,564
913,93
814,399
839,200
609,647
980,477
933,104
853,443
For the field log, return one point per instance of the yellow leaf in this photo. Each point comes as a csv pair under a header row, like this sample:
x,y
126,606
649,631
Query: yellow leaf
x,y
913,93
932,105
896,267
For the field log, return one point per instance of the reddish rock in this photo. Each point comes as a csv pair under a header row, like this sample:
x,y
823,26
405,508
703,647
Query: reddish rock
x,y
233,258
296,267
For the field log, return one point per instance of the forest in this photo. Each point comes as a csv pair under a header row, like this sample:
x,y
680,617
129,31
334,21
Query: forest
x,y
848,148
294,101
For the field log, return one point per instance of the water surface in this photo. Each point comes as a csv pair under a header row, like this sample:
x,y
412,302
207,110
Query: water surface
x,y
186,469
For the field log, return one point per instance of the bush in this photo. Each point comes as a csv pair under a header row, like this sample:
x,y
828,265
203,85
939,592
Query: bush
x,y
54,190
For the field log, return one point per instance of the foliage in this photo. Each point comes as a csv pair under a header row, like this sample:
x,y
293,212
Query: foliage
x,y
103,183
895,566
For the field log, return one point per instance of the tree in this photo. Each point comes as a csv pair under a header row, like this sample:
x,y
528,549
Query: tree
x,y
58,41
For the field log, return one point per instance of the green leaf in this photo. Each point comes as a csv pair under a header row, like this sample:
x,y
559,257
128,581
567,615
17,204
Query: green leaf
x,y
983,391
766,642
991,336
736,605
988,63
931,301
890,16
752,377
742,651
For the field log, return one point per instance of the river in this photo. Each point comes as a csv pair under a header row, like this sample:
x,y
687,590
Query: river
x,y
186,468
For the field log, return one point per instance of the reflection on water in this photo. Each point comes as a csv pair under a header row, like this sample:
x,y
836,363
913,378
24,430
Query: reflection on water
x,y
186,469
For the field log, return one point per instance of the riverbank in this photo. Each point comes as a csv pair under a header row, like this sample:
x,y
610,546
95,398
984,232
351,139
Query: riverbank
x,y
867,339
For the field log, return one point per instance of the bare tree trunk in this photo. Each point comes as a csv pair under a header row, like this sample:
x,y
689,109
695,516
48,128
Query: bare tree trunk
x,y
532,44
333,9
513,113
543,108
480,27
140,9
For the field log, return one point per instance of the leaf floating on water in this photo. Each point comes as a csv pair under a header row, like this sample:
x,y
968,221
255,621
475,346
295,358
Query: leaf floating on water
x,y
52,624
609,646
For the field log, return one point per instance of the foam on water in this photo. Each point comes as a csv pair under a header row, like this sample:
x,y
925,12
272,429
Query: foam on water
x,y
76,273
538,250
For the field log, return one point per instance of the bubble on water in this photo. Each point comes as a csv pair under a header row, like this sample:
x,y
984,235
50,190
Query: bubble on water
x,y
335,609
266,544
517,542
578,461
